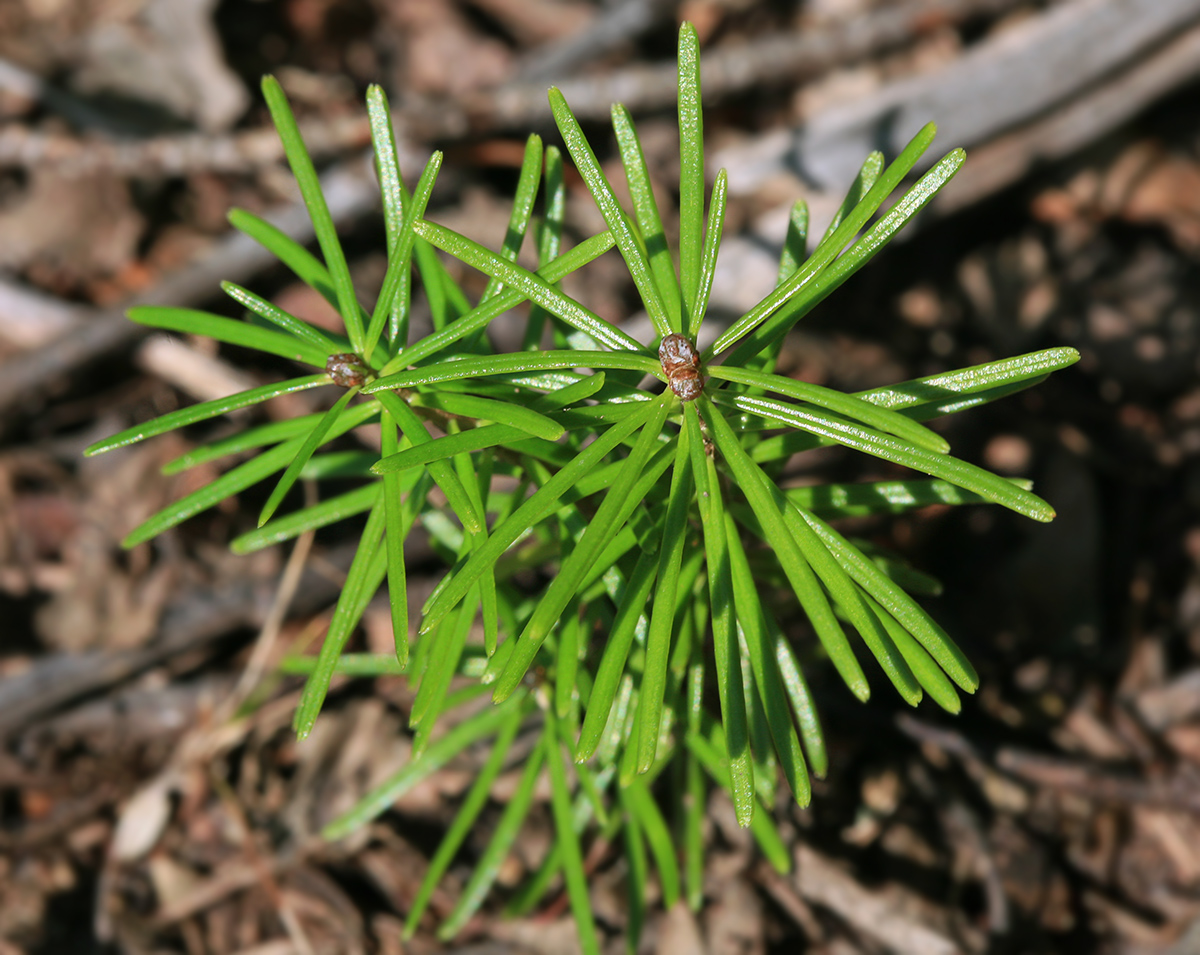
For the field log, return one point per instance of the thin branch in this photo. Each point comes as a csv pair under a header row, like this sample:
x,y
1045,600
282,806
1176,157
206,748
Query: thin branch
x,y
1007,80
293,571
175,155
1004,160
1075,776
774,62
614,25
197,618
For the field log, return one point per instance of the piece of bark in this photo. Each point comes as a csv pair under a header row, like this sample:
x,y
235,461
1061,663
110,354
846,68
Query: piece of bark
x,y
995,164
873,913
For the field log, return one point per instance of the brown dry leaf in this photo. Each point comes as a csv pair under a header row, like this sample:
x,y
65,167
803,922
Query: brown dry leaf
x,y
1175,702
101,602
1084,730
142,821
164,52
331,921
444,56
1147,186
538,937
678,933
172,879
733,922
67,232
537,21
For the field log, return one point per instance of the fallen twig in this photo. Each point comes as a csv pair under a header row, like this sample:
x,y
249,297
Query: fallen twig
x,y
196,619
174,155
29,318
1077,777
613,25
962,825
65,817
788,899
1004,160
24,380
873,914
775,61
999,84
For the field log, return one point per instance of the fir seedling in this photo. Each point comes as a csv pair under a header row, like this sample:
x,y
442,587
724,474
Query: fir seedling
x,y
659,511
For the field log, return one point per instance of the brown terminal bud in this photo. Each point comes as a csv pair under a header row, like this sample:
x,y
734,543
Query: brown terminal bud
x,y
346,370
681,363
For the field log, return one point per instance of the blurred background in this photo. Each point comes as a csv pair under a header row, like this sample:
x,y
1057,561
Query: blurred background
x,y
1059,813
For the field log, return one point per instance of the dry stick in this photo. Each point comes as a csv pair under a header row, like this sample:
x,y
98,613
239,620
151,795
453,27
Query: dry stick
x,y
1002,83
198,375
828,138
1097,784
1004,160
67,815
819,880
30,318
22,84
962,826
283,908
23,380
231,878
1052,772
788,899
613,25
175,155
775,61
288,582
198,618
